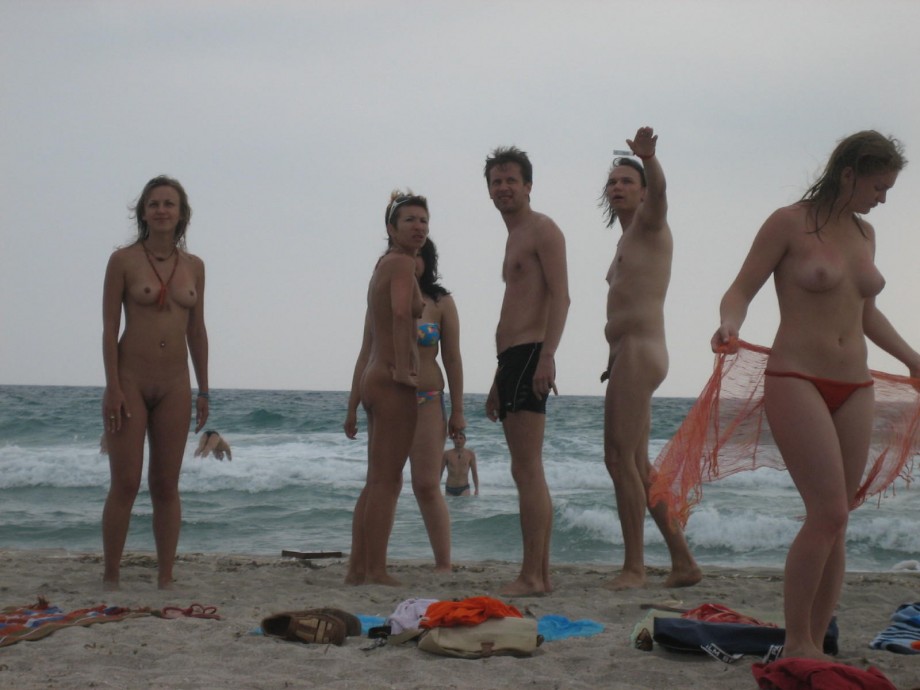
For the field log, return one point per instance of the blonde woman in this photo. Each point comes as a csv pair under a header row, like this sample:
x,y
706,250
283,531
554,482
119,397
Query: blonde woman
x,y
160,289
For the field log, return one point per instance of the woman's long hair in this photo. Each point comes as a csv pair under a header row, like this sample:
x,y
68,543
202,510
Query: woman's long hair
x,y
428,281
867,153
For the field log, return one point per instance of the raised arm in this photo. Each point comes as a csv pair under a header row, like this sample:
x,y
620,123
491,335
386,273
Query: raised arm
x,y
766,252
453,363
197,336
652,214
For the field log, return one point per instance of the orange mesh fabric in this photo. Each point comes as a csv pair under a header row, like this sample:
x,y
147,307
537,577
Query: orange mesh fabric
x,y
726,431
471,611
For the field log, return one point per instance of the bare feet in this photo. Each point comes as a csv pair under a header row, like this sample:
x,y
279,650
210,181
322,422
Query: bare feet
x,y
626,580
684,577
807,652
523,588
354,578
110,585
165,584
443,570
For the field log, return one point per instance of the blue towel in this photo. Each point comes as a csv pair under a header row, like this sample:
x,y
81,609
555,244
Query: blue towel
x,y
554,627
904,629
368,622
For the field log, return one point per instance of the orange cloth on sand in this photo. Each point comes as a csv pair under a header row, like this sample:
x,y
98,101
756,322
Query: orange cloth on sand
x,y
726,431
471,611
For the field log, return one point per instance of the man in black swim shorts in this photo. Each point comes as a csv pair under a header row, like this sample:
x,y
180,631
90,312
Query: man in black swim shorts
x,y
533,314
514,380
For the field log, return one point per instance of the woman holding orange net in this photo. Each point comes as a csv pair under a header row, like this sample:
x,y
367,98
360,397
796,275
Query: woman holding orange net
x,y
818,391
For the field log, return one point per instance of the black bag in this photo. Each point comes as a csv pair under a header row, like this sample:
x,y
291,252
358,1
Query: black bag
x,y
728,641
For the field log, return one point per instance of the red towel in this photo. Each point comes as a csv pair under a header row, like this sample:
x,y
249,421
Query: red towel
x,y
811,674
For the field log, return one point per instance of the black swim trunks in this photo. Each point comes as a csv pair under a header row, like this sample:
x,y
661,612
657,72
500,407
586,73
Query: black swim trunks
x,y
514,380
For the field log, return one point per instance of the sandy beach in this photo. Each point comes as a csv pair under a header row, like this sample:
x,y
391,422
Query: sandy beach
x,y
150,652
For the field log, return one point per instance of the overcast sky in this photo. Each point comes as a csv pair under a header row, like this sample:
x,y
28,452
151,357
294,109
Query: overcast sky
x,y
290,122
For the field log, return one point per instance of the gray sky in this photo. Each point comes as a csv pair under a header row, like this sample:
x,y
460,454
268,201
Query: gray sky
x,y
290,122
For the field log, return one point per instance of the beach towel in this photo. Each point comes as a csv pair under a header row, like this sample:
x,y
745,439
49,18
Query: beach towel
x,y
552,627
726,431
903,635
41,619
810,674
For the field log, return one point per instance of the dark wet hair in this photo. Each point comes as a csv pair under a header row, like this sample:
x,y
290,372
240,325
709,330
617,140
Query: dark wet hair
x,y
428,281
510,154
610,215
867,153
398,200
185,211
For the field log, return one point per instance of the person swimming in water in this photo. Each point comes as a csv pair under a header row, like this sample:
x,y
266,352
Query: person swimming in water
x,y
215,444
460,462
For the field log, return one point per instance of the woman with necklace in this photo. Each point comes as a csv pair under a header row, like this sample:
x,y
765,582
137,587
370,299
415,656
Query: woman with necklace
x,y
160,287
385,381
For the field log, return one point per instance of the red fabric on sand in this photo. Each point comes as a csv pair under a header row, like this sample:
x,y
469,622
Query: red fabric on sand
x,y
810,674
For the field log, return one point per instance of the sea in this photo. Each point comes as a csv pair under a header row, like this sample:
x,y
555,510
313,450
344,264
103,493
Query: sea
x,y
295,477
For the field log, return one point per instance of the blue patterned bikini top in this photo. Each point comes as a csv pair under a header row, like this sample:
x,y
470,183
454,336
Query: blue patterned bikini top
x,y
428,334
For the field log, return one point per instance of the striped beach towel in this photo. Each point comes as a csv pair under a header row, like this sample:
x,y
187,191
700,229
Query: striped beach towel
x,y
41,619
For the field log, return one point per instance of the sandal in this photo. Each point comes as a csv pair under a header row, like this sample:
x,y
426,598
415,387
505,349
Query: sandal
x,y
193,611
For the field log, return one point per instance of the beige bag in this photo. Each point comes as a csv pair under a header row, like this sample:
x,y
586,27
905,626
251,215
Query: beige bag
x,y
495,636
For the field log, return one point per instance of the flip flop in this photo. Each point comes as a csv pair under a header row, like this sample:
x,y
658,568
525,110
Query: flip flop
x,y
193,611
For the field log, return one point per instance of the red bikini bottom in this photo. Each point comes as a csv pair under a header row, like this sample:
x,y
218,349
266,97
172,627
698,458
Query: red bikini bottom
x,y
834,393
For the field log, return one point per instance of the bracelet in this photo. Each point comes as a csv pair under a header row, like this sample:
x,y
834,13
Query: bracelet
x,y
645,158
204,394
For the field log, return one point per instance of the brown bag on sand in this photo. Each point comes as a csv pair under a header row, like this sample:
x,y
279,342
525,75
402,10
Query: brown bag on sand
x,y
493,637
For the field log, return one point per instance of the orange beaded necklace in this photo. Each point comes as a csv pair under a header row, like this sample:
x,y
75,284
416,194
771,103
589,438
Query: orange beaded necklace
x,y
161,298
